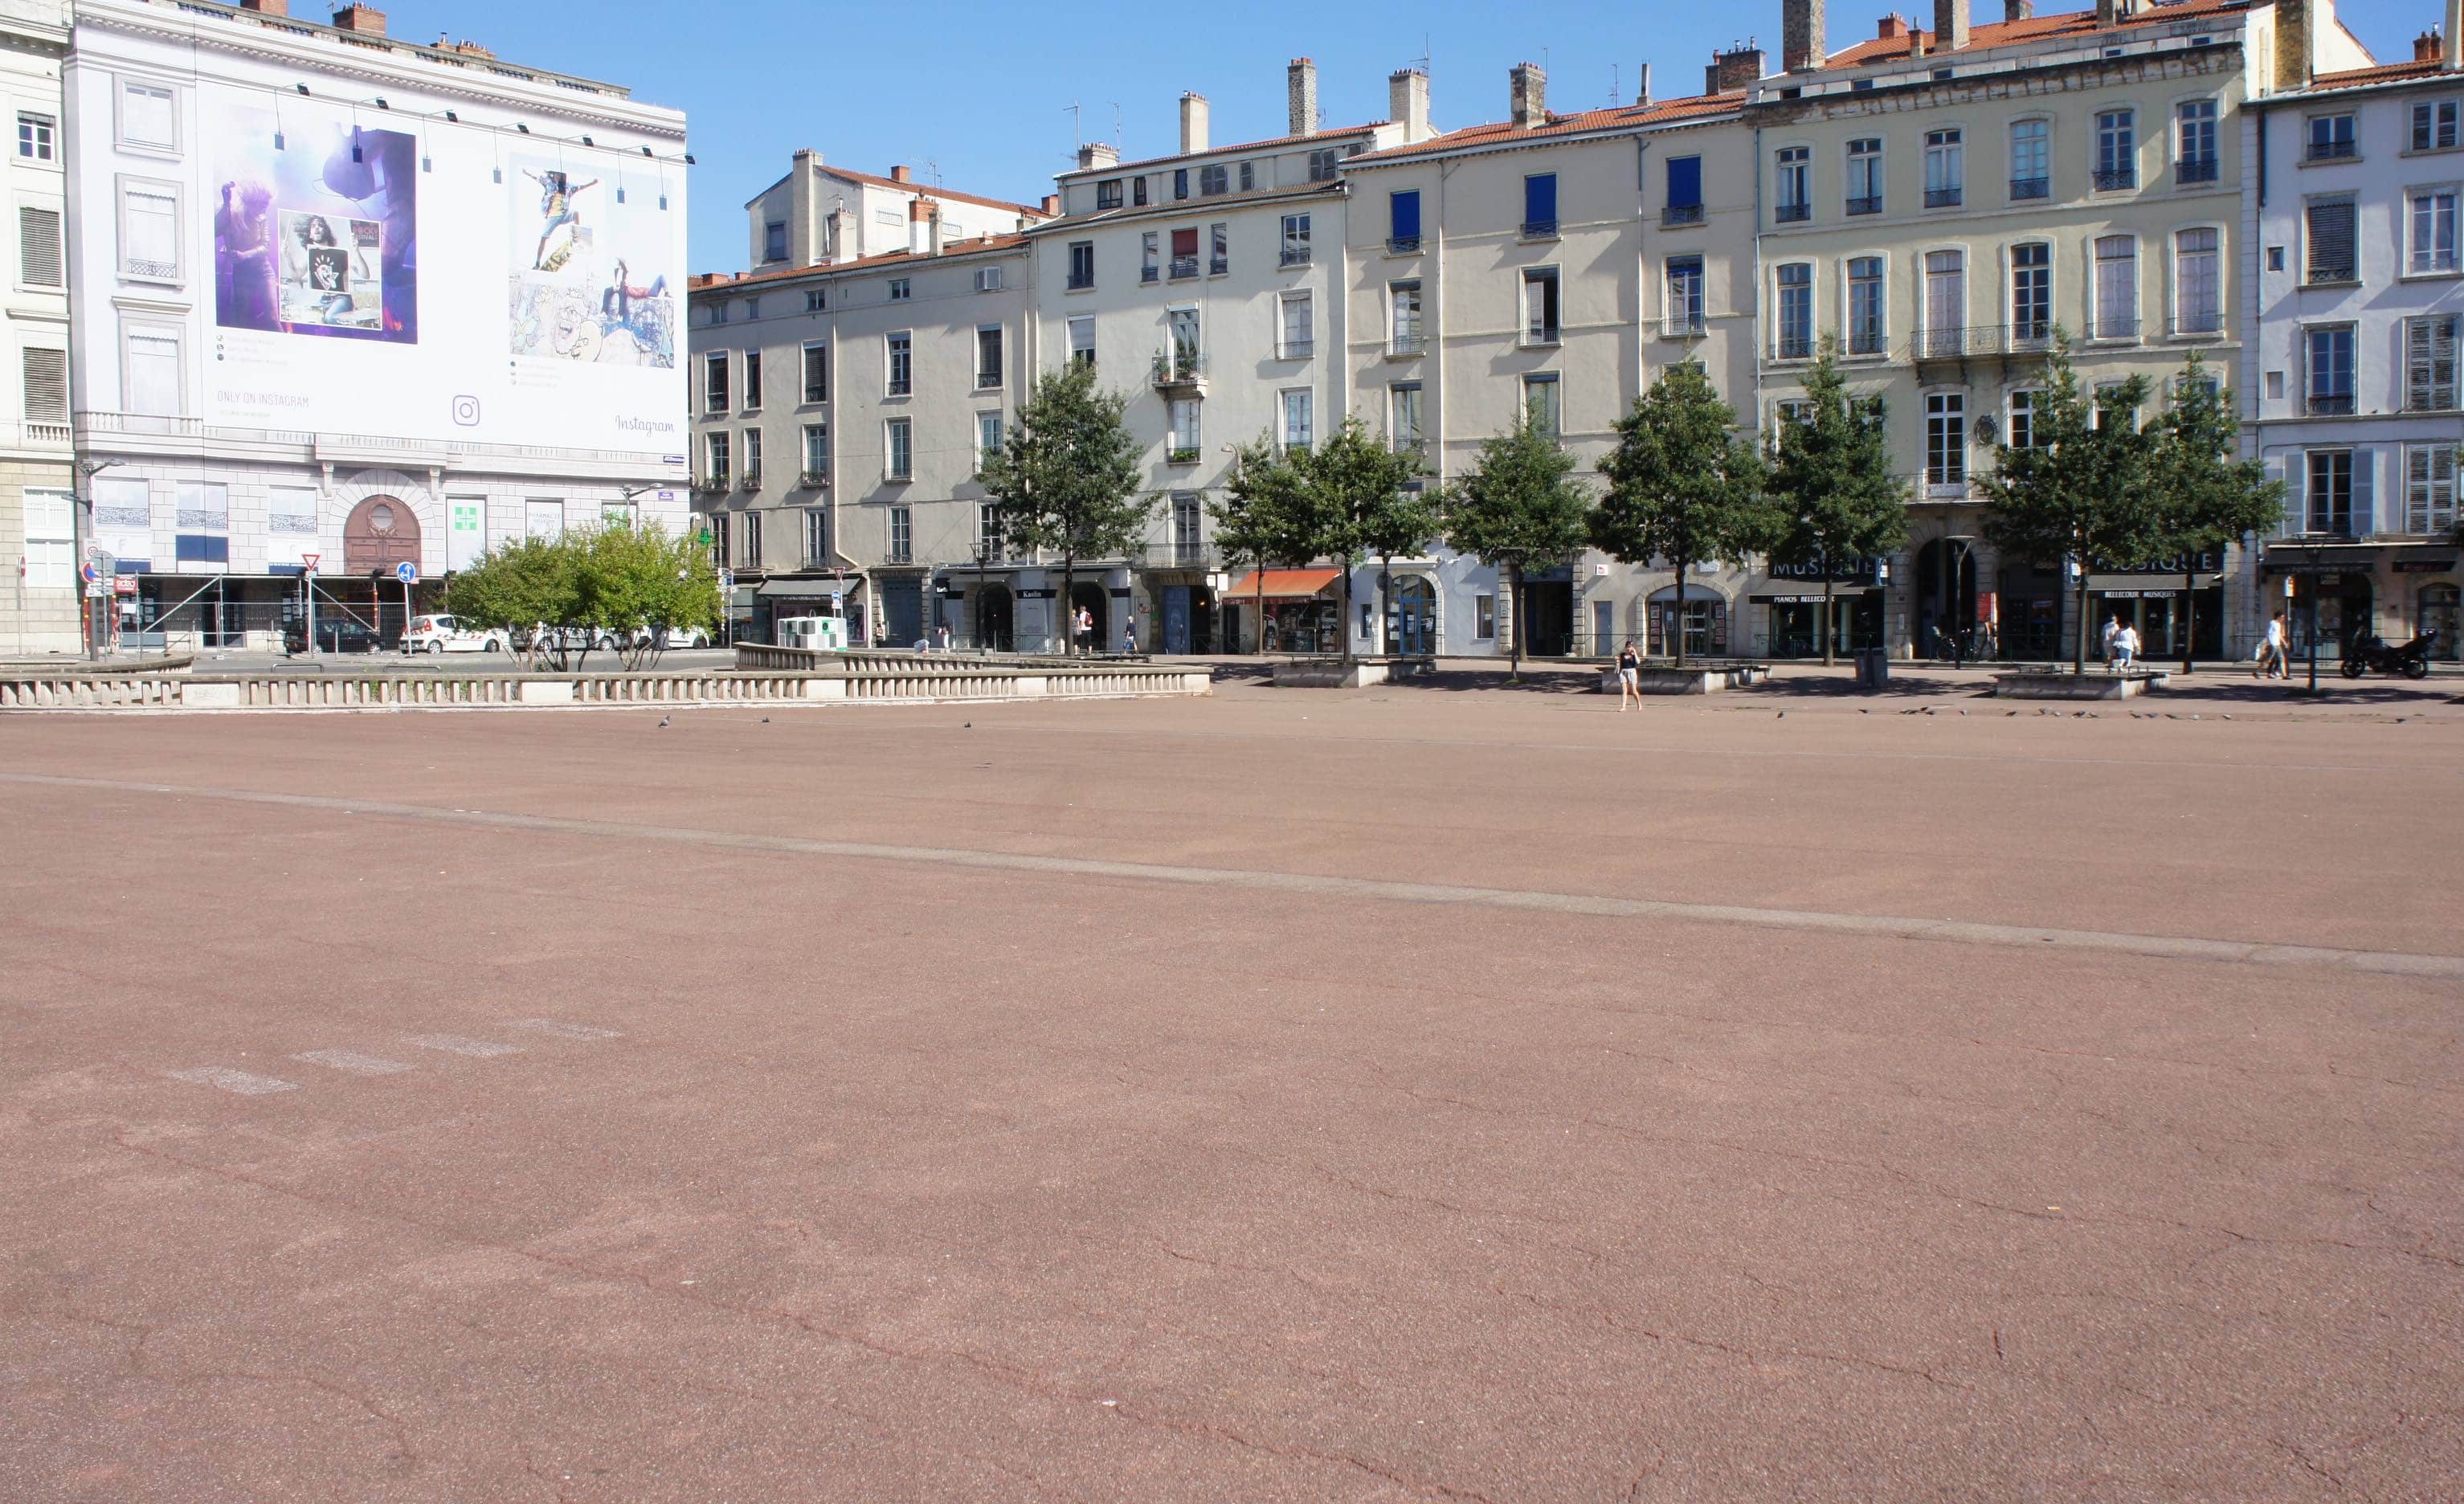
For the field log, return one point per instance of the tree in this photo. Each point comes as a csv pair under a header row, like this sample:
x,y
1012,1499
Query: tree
x,y
1255,520
1350,503
1837,496
2086,489
611,583
520,586
1068,477
2210,498
1683,484
1518,506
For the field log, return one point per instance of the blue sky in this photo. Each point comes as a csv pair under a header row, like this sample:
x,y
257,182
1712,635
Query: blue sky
x,y
981,92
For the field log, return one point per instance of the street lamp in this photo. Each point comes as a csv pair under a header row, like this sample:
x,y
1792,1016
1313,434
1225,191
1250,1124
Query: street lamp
x,y
81,524
1956,552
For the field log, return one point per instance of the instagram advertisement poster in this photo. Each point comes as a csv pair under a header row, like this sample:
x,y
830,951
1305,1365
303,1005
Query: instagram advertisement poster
x,y
363,262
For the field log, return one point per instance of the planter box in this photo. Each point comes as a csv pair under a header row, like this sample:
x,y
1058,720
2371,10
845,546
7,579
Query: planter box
x,y
2054,684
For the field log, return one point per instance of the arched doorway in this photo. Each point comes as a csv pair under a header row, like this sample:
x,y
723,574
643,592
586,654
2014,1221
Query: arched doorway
x,y
1090,595
1411,616
1705,623
1944,587
379,533
994,614
2441,610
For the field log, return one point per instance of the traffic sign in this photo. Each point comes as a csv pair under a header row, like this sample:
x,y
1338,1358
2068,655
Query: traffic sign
x,y
308,560
406,572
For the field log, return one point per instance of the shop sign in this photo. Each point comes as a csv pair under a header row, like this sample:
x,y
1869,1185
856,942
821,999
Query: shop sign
x,y
1858,571
2424,566
2209,562
1033,593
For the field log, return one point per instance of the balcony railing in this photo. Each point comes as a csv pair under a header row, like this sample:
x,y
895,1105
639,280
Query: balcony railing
x,y
1183,267
1296,255
1682,326
2323,275
2195,169
1180,368
1299,349
1792,213
1546,334
1954,342
815,479
716,483
1179,555
2198,321
752,480
1404,245
1182,454
1406,342
1943,198
2117,327
1871,204
1678,214
1080,282
1539,230
2030,336
1416,447
1796,346
1867,342
2116,180
2329,151
2330,403
987,381
2031,188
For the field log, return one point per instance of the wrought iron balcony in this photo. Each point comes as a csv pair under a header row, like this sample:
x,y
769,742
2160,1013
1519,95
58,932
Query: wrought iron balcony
x,y
1539,230
1404,245
1299,349
2199,321
1183,267
1181,368
1792,213
1959,342
2116,180
1678,214
2031,188
1871,204
1406,342
1080,282
2330,403
2113,329
2195,169
1867,342
1797,346
2031,336
1943,198
1180,555
2330,151
1682,326
1296,255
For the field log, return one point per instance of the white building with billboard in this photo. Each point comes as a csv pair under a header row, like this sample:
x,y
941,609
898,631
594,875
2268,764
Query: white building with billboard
x,y
356,301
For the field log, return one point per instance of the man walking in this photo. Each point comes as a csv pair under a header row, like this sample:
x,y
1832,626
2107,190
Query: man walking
x,y
2112,630
2124,648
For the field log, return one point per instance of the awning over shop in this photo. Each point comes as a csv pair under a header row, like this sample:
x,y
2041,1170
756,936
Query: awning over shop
x,y
812,589
1801,592
2148,583
1283,584
2292,556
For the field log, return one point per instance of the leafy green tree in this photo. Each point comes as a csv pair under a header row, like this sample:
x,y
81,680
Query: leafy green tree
x,y
1518,506
612,584
520,586
2211,499
1836,497
1683,484
1066,479
1352,504
1255,521
2086,489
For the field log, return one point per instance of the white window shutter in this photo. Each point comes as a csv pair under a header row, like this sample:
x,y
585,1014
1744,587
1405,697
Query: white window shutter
x,y
38,247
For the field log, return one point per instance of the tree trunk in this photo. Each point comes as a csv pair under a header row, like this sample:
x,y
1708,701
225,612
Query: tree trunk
x,y
1514,622
1070,605
1343,628
1827,632
1385,574
2079,647
1677,613
1259,629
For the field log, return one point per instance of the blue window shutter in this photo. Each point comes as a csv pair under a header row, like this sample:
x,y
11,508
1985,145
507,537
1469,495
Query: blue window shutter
x,y
1684,181
1405,223
2365,464
1540,197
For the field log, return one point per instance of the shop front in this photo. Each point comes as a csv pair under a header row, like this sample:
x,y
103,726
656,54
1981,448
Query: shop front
x,y
1298,608
2437,601
1411,615
1703,619
1793,603
780,598
978,603
2176,605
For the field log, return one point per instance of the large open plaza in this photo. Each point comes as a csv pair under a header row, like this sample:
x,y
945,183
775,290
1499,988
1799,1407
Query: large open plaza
x,y
1441,1092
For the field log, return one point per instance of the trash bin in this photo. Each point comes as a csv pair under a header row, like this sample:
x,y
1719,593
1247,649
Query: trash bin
x,y
1873,668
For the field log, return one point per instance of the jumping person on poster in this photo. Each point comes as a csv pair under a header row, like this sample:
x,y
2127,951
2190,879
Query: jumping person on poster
x,y
557,212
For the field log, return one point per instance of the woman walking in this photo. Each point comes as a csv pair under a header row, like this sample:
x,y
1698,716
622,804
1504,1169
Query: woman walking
x,y
1629,677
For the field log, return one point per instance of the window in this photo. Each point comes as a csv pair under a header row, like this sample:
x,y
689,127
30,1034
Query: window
x,y
1540,204
1403,305
1403,220
1867,327
2023,419
988,439
2032,159
2429,363
1138,190
1149,249
149,231
1296,240
1795,311
1323,165
35,137
2434,127
1403,422
2429,489
1483,618
1792,183
717,474
752,379
817,373
1186,526
1186,440
2430,225
1866,175
1108,194
1184,253
1685,206
1946,438
902,535
2032,295
1540,305
1249,176
1180,183
988,530
2117,288
1219,250
38,247
713,381
818,301
1945,167
1212,180
2116,150
1082,339
1298,415
51,541
898,450
2327,367
2331,496
901,348
817,453
1299,330
900,289
1082,264
817,537
148,120
1684,308
751,458
2330,257
988,357
47,384
1945,304
1186,350
720,554
773,240
2194,142
2331,136
1540,400
2198,286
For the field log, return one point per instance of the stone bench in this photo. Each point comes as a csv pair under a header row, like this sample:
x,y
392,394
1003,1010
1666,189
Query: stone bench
x,y
1662,677
2062,684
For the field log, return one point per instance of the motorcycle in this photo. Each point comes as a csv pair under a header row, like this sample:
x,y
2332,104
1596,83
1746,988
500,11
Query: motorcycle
x,y
2371,654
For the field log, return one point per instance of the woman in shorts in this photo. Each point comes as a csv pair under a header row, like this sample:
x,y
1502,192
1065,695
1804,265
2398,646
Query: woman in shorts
x,y
1629,677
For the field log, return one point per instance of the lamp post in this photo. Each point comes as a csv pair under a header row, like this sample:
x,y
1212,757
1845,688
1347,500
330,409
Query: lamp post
x,y
1956,552
80,526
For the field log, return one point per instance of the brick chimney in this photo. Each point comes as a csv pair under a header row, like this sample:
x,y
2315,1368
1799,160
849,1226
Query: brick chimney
x,y
1098,154
1894,25
2427,48
901,174
1735,69
1192,123
366,20
2018,10
1407,103
1526,95
1801,45
919,226
1949,25
2293,41
2108,12
1300,96
267,6
1052,203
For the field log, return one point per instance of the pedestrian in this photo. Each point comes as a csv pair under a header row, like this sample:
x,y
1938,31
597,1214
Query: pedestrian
x,y
1128,638
941,637
2125,648
1629,677
2112,630
2273,653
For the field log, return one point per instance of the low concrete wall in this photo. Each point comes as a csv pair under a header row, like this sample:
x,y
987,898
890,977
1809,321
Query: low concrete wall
x,y
2055,684
1358,673
1667,678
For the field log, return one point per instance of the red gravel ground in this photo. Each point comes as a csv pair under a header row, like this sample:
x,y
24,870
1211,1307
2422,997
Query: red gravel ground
x,y
920,1173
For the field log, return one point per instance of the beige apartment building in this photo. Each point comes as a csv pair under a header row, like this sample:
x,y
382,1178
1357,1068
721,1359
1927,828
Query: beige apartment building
x,y
39,528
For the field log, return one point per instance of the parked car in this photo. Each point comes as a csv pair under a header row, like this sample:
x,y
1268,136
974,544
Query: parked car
x,y
665,637
446,634
571,639
334,634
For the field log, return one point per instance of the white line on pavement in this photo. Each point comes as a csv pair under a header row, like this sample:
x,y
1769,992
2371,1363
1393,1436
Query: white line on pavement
x,y
456,1045
356,1064
556,1030
227,1079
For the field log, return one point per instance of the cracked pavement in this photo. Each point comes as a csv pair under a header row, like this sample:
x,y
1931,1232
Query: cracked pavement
x,y
818,1177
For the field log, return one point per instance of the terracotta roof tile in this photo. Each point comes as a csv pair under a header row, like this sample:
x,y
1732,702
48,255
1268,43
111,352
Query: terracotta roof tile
x,y
703,281
2002,34
1504,133
929,190
2384,73
1323,132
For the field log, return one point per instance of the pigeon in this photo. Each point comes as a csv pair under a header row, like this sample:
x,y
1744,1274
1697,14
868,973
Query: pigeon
x,y
765,721
969,726
2229,717
2010,713
1782,716
1864,712
662,721
1963,713
1928,710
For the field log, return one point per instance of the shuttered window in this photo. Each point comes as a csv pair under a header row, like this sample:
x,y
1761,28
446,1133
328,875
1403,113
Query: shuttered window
x,y
2331,242
2430,364
38,247
2429,489
47,385
154,374
149,232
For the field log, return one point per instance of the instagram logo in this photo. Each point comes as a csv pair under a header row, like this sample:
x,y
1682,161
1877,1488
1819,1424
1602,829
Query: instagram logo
x,y
466,412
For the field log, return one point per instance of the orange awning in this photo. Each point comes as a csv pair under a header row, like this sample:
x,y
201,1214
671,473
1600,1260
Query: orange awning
x,y
1283,584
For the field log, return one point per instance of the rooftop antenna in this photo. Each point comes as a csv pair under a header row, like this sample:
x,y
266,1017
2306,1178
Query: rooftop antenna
x,y
1613,85
1077,136
934,168
1116,125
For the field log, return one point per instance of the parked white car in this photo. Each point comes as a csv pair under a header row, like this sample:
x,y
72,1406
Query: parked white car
x,y
673,636
445,634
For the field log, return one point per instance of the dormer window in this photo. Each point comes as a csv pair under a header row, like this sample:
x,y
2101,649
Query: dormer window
x,y
1108,194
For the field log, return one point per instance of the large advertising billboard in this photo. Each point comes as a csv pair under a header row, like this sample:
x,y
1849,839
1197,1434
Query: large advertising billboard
x,y
393,276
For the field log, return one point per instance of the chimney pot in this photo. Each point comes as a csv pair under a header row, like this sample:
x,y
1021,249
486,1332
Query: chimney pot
x,y
1192,123
1407,103
1892,26
1642,85
2018,10
1526,95
1949,25
2427,48
900,174
366,20
1098,154
1733,70
1300,96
